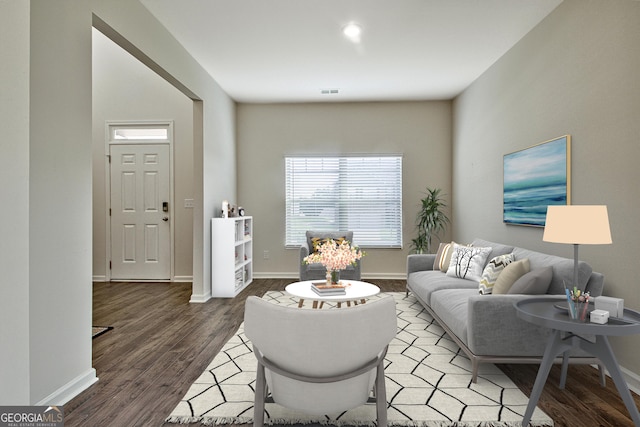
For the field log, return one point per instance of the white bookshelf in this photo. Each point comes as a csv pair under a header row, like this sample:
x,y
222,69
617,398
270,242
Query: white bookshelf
x,y
231,255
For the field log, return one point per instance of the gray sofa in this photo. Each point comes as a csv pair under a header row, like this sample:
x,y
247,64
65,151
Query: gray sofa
x,y
486,327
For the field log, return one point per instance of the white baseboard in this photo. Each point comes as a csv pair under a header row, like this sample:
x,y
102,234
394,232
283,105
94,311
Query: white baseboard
x,y
632,379
296,275
200,298
385,276
281,275
70,390
276,275
181,279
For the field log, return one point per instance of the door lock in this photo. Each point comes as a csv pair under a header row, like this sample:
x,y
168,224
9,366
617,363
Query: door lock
x,y
165,206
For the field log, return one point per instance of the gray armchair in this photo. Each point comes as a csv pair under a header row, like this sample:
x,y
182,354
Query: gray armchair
x,y
318,271
320,362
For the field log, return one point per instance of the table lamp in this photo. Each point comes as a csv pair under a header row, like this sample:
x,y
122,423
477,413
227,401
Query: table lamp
x,y
577,225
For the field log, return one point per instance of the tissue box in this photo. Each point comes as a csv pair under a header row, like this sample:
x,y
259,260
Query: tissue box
x,y
615,306
599,316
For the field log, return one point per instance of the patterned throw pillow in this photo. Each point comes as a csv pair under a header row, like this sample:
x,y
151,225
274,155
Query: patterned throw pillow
x,y
467,262
317,241
443,256
492,271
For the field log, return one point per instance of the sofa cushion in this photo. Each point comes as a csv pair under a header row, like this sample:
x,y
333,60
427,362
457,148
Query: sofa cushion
x,y
509,275
562,269
492,271
535,282
467,262
424,283
497,248
451,306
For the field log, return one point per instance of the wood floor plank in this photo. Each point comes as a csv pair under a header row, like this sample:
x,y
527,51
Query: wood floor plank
x,y
161,343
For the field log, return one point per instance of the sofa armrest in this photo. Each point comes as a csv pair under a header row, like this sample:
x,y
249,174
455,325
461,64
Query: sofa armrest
x,y
489,314
595,285
420,262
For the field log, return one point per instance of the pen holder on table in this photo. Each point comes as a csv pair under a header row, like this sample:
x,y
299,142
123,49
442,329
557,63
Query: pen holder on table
x,y
581,313
578,304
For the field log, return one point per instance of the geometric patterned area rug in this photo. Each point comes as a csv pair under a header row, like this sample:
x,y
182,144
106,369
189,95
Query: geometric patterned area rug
x,y
428,381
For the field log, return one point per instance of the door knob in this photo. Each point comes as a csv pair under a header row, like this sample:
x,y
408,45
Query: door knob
x,y
166,218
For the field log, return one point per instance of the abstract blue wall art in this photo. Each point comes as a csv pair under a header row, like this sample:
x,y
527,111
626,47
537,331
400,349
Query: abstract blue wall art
x,y
535,178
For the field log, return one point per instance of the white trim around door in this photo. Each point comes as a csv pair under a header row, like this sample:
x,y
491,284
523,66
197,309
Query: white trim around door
x,y
144,138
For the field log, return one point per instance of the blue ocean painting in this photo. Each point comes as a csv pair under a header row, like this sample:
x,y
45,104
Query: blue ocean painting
x,y
535,178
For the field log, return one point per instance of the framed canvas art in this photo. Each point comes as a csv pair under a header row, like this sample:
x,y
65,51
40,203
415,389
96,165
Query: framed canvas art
x,y
535,178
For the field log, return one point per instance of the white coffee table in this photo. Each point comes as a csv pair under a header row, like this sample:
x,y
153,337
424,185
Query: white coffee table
x,y
356,291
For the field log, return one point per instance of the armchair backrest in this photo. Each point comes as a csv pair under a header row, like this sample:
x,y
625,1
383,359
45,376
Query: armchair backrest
x,y
320,344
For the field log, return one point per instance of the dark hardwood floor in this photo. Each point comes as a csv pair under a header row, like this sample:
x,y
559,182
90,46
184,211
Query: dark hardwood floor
x,y
161,343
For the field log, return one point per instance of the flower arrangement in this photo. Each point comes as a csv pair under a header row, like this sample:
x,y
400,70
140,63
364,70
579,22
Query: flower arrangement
x,y
335,256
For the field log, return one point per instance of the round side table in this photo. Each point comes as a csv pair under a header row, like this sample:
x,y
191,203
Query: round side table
x,y
551,312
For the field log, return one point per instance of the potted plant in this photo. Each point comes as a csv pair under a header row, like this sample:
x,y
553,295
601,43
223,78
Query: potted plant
x,y
430,221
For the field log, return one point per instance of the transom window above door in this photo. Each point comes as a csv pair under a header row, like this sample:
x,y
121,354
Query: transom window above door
x,y
138,133
360,193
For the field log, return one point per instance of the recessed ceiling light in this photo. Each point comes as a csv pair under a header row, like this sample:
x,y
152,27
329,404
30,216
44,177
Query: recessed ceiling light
x,y
352,31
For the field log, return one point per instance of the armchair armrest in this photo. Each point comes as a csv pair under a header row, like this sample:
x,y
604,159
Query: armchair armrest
x,y
420,262
304,251
305,273
357,269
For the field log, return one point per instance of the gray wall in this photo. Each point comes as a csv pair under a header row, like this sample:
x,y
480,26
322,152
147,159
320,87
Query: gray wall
x,y
45,313
46,162
14,190
124,89
576,73
131,25
421,131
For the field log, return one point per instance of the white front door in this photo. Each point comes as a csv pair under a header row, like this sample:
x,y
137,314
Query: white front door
x,y
140,222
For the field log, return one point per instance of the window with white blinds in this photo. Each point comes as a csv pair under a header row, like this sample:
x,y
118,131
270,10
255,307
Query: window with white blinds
x,y
358,193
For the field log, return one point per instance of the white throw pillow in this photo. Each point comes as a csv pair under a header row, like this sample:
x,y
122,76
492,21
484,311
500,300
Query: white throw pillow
x,y
467,262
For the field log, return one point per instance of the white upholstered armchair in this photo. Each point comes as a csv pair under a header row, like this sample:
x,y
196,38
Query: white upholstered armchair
x,y
320,361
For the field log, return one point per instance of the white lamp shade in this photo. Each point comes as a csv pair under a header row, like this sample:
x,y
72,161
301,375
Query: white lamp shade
x,y
577,224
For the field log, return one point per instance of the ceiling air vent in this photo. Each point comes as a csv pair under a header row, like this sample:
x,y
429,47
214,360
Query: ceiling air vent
x,y
329,91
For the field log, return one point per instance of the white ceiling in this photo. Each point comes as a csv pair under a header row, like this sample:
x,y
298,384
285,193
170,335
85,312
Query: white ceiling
x,y
289,50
